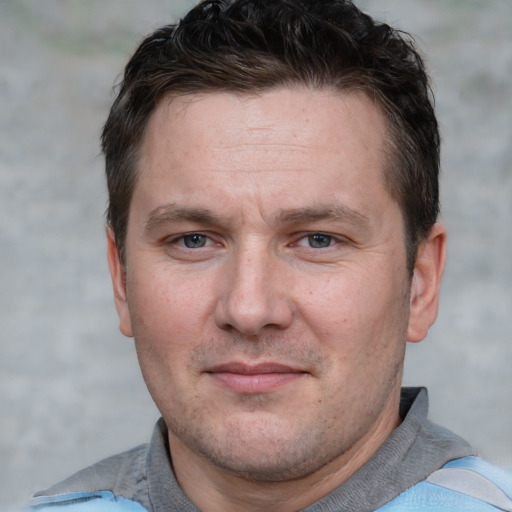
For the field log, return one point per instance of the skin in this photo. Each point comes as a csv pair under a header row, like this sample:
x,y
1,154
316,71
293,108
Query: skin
x,y
267,291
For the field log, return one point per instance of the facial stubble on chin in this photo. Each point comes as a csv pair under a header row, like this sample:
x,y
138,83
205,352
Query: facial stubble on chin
x,y
280,457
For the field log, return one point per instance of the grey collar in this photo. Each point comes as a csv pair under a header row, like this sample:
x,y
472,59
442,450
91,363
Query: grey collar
x,y
416,448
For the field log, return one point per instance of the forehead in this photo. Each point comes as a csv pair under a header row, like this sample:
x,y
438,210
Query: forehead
x,y
292,141
327,121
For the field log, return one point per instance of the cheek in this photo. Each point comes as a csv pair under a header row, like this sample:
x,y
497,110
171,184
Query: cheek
x,y
167,312
166,331
355,308
333,303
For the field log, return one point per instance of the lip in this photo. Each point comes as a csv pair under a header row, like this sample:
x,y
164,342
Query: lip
x,y
257,379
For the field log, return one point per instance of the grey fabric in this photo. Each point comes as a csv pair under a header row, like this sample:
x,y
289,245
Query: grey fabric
x,y
416,449
123,474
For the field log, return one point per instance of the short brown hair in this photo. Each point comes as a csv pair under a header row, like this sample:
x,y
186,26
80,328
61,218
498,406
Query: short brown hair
x,y
246,46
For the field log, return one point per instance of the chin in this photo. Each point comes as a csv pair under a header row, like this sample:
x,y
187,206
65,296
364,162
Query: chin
x,y
264,452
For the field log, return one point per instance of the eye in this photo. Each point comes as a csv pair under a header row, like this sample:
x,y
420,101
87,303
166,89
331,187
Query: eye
x,y
194,240
320,240
192,246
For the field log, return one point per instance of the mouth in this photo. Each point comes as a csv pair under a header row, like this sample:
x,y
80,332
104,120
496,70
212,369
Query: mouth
x,y
254,379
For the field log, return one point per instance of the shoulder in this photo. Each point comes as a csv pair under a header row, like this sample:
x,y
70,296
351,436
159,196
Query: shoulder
x,y
461,485
101,501
115,483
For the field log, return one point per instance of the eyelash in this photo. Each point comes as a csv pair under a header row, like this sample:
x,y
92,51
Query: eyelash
x,y
181,240
315,238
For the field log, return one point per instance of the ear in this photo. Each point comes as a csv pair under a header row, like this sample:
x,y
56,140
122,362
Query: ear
x,y
117,273
426,283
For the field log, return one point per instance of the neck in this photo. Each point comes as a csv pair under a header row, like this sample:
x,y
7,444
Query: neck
x,y
213,489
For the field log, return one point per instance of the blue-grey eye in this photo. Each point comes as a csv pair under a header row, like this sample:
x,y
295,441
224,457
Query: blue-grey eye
x,y
195,240
319,241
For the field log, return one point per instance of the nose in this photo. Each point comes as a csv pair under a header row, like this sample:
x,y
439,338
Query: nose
x,y
254,295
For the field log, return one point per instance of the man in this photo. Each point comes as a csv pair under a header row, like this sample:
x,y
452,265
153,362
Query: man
x,y
273,244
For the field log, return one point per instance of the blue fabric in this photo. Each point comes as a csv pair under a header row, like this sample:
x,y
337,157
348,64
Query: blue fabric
x,y
101,501
427,497
424,496
500,477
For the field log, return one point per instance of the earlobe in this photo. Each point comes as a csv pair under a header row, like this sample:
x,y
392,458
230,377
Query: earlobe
x,y
117,273
426,283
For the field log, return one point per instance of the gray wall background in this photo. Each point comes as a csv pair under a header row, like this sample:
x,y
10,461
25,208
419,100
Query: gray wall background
x,y
70,388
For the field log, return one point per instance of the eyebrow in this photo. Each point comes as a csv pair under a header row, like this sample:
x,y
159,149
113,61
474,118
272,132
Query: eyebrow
x,y
169,213
335,212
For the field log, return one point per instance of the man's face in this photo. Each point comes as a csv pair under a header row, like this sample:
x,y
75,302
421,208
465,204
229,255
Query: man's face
x,y
266,283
